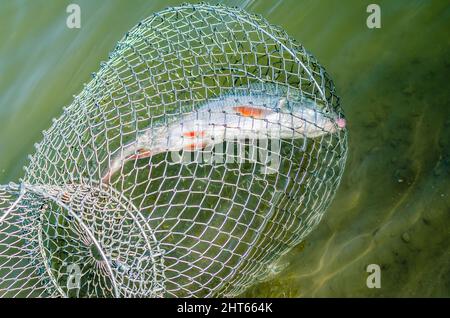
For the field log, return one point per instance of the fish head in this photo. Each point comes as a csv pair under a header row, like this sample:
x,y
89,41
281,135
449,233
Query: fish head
x,y
309,118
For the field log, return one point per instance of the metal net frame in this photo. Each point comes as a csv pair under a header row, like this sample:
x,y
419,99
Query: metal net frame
x,y
161,228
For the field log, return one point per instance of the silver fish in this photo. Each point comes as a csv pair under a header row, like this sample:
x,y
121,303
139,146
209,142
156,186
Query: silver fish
x,y
232,117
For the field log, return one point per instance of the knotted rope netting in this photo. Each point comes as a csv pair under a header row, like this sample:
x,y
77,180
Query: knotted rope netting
x,y
205,148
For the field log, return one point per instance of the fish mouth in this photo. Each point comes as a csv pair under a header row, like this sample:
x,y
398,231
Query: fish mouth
x,y
341,122
335,123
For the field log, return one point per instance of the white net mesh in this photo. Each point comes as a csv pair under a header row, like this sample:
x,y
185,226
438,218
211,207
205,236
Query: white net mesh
x,y
205,148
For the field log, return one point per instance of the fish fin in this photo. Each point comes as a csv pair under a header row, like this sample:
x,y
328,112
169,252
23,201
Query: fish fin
x,y
140,154
190,147
107,177
195,146
143,153
250,111
194,133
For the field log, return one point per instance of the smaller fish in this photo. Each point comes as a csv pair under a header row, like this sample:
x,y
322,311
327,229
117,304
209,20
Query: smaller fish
x,y
233,117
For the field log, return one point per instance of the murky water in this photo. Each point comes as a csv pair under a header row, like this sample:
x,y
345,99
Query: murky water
x,y
393,206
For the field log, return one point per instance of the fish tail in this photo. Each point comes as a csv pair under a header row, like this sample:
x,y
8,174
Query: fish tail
x,y
118,161
107,177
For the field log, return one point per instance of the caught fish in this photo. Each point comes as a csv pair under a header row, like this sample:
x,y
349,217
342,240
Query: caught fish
x,y
232,117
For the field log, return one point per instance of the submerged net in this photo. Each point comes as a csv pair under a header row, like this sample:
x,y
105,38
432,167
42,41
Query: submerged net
x,y
209,225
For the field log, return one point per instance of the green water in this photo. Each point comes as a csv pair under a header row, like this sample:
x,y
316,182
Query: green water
x,y
393,206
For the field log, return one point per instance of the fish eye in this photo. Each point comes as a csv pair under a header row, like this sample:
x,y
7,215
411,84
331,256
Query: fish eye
x,y
286,106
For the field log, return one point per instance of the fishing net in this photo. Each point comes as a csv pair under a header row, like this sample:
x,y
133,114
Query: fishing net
x,y
192,222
